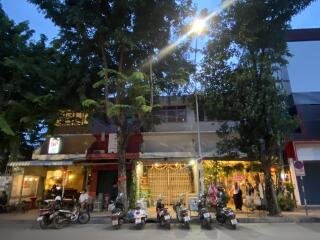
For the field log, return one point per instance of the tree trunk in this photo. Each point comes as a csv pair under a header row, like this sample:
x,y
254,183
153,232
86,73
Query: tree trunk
x,y
271,199
4,159
122,171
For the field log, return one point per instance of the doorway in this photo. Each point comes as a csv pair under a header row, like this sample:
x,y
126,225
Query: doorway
x,y
107,183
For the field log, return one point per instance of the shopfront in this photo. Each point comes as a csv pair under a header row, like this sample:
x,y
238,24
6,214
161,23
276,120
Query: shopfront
x,y
36,179
307,152
169,178
227,173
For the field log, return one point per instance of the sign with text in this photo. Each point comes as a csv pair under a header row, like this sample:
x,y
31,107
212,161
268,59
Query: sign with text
x,y
299,168
54,145
112,144
193,203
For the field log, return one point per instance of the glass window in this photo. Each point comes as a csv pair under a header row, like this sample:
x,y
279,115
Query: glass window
x,y
170,114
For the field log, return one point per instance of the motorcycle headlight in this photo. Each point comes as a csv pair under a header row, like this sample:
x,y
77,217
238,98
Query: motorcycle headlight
x,y
230,214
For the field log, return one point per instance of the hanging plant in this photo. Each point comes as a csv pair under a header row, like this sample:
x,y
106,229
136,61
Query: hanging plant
x,y
227,170
238,167
254,167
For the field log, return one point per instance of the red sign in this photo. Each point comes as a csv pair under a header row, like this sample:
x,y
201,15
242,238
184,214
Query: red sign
x,y
238,178
122,178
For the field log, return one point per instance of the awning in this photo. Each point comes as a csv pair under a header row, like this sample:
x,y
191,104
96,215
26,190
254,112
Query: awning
x,y
40,163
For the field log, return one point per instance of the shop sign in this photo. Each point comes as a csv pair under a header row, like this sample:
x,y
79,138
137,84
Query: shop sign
x,y
5,182
238,178
112,144
193,203
54,145
299,168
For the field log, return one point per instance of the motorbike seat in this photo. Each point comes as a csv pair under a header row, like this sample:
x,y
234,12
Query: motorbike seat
x,y
64,211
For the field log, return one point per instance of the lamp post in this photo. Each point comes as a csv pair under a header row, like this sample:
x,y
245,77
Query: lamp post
x,y
197,28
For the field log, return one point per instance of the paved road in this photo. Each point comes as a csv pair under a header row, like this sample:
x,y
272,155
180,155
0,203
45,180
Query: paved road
x,y
15,230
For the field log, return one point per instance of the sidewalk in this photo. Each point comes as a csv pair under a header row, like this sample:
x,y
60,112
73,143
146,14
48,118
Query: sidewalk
x,y
244,217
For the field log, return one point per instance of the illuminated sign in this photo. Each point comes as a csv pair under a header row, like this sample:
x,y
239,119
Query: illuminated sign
x,y
112,144
54,145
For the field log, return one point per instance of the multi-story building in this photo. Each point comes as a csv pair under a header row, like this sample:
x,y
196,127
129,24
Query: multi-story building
x,y
163,160
303,71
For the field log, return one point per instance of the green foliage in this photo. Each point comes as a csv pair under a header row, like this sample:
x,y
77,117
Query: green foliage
x,y
4,127
286,199
89,103
25,94
109,43
254,167
246,48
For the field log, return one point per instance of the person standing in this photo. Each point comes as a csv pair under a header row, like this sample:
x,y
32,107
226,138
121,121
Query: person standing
x,y
213,192
222,195
249,194
3,201
237,196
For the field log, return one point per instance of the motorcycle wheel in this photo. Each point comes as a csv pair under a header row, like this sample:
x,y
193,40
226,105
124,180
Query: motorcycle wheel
x,y
168,225
116,227
59,221
208,224
232,226
44,224
187,225
84,218
203,223
139,226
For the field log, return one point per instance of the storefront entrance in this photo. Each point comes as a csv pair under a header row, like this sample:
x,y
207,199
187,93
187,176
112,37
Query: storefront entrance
x,y
169,180
311,182
107,183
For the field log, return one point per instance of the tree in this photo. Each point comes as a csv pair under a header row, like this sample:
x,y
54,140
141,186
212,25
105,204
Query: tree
x,y
246,48
116,39
24,91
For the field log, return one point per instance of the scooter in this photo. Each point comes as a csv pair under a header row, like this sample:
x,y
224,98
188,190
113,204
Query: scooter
x,y
118,214
163,215
182,213
204,215
46,215
225,215
140,215
63,217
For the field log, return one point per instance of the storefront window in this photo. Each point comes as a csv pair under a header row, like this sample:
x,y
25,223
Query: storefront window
x,y
29,185
170,114
71,180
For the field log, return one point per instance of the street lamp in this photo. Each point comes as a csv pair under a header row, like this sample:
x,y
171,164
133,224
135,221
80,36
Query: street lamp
x,y
197,28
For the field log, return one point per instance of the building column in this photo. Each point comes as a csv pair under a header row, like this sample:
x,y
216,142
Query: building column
x,y
94,182
139,174
295,182
195,171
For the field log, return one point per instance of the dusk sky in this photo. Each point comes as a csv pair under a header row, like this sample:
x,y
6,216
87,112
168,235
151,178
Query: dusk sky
x,y
21,10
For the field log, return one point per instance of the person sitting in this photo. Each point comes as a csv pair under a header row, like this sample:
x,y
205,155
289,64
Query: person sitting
x,y
3,201
84,199
159,206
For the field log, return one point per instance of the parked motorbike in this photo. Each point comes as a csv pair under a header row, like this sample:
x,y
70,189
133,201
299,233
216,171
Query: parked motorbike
x,y
182,213
225,215
118,214
63,217
204,215
46,215
163,215
140,215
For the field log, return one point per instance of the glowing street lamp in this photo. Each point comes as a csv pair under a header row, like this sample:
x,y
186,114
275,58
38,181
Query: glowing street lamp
x,y
198,26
